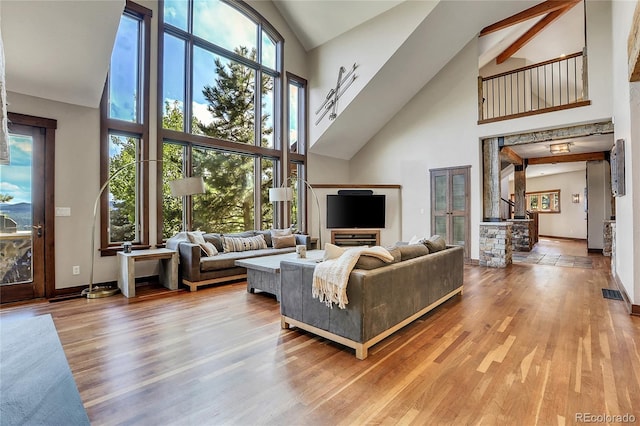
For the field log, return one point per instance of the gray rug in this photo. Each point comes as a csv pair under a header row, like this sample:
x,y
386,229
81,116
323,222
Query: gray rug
x,y
36,384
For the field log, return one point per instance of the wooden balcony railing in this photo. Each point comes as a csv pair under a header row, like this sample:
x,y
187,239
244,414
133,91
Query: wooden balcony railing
x,y
535,89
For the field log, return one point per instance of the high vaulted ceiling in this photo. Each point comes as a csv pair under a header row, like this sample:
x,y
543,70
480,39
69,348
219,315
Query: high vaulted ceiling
x,y
59,50
315,22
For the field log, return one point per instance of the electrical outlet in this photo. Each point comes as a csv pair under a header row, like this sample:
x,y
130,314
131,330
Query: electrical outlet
x,y
76,270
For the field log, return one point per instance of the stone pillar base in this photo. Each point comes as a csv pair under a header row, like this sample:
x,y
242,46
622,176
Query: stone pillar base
x,y
495,244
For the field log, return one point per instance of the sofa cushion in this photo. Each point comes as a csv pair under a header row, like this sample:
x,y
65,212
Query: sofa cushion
x,y
284,241
411,251
371,262
196,237
267,236
332,251
244,234
281,232
215,239
435,243
227,260
231,244
208,249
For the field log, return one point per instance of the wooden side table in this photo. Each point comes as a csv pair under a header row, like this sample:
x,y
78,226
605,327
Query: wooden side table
x,y
127,272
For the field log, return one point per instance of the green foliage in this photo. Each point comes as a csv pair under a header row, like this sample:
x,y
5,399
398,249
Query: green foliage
x,y
122,189
5,198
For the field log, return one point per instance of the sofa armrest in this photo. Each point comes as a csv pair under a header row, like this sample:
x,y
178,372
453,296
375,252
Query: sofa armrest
x,y
302,239
190,261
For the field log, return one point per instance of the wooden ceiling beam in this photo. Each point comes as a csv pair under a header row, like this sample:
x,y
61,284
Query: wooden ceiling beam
x,y
508,155
537,10
533,31
589,156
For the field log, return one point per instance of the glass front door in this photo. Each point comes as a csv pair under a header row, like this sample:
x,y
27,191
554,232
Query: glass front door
x,y
22,216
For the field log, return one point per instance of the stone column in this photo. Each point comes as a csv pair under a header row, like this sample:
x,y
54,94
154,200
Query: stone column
x,y
495,244
491,179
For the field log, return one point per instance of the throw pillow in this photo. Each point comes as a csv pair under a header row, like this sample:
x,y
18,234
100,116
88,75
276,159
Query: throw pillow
x,y
281,232
332,251
231,244
209,249
284,241
412,251
435,243
195,237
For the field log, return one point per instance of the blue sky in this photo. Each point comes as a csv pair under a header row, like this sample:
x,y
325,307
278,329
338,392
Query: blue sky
x,y
15,179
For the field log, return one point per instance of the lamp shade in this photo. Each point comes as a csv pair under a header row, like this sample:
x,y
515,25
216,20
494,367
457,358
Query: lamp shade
x,y
187,186
280,194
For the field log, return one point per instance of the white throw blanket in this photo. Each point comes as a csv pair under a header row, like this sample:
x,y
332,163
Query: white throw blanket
x,y
331,276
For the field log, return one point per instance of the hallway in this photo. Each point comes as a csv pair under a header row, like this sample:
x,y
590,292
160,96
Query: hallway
x,y
562,252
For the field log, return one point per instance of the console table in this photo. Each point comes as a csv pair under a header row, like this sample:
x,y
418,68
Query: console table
x,y
127,273
355,237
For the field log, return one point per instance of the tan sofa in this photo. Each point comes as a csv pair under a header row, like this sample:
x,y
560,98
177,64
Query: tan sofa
x,y
197,270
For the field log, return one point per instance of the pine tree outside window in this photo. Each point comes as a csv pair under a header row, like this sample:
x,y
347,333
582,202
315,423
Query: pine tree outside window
x,y
220,100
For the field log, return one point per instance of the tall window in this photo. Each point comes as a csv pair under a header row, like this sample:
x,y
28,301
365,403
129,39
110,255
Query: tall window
x,y
220,104
297,145
124,133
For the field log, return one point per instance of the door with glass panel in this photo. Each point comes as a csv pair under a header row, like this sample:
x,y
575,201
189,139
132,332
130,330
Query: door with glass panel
x,y
22,216
450,205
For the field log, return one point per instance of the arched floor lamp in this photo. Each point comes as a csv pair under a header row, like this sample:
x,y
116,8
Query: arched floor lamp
x,y
179,188
285,193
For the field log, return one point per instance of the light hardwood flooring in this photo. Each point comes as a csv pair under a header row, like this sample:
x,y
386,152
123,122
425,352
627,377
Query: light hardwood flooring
x,y
524,345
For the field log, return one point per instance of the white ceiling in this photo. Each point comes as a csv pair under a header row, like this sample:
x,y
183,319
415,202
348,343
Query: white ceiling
x,y
315,22
594,143
59,50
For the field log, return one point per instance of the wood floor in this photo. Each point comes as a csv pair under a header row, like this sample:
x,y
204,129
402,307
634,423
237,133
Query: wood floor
x,y
525,345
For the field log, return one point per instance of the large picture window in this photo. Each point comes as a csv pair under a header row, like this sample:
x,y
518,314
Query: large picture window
x,y
124,134
220,109
297,146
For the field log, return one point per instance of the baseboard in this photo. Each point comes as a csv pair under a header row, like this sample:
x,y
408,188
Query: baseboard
x,y
73,292
562,238
474,262
631,308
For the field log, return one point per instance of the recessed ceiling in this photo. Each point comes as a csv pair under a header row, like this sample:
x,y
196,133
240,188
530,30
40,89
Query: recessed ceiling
x,y
589,144
594,143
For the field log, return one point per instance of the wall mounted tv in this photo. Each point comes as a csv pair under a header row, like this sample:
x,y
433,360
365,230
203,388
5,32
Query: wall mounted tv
x,y
355,211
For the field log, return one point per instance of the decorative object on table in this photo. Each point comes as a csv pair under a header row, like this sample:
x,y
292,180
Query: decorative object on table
x,y
301,251
195,184
285,193
126,247
331,100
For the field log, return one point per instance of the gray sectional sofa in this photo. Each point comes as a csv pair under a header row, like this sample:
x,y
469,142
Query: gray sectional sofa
x,y
381,300
197,270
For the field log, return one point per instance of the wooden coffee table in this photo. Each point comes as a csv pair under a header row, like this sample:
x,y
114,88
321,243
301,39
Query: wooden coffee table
x,y
263,273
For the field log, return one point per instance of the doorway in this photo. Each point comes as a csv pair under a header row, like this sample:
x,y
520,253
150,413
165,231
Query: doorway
x,y
450,205
26,211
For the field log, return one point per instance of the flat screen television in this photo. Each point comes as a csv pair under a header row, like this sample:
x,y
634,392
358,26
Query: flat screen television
x,y
355,211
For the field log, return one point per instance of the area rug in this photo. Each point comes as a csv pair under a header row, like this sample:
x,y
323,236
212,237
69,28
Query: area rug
x,y
36,384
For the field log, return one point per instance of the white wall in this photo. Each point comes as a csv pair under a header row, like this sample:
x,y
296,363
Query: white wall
x,y
78,161
571,221
626,110
437,128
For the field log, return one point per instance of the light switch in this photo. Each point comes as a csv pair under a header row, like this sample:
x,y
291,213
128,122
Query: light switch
x,y
63,211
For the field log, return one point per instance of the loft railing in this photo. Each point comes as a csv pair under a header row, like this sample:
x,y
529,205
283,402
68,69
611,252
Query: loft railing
x,y
544,87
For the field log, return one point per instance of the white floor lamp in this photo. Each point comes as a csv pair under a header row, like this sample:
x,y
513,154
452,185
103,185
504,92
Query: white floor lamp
x,y
285,193
179,188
